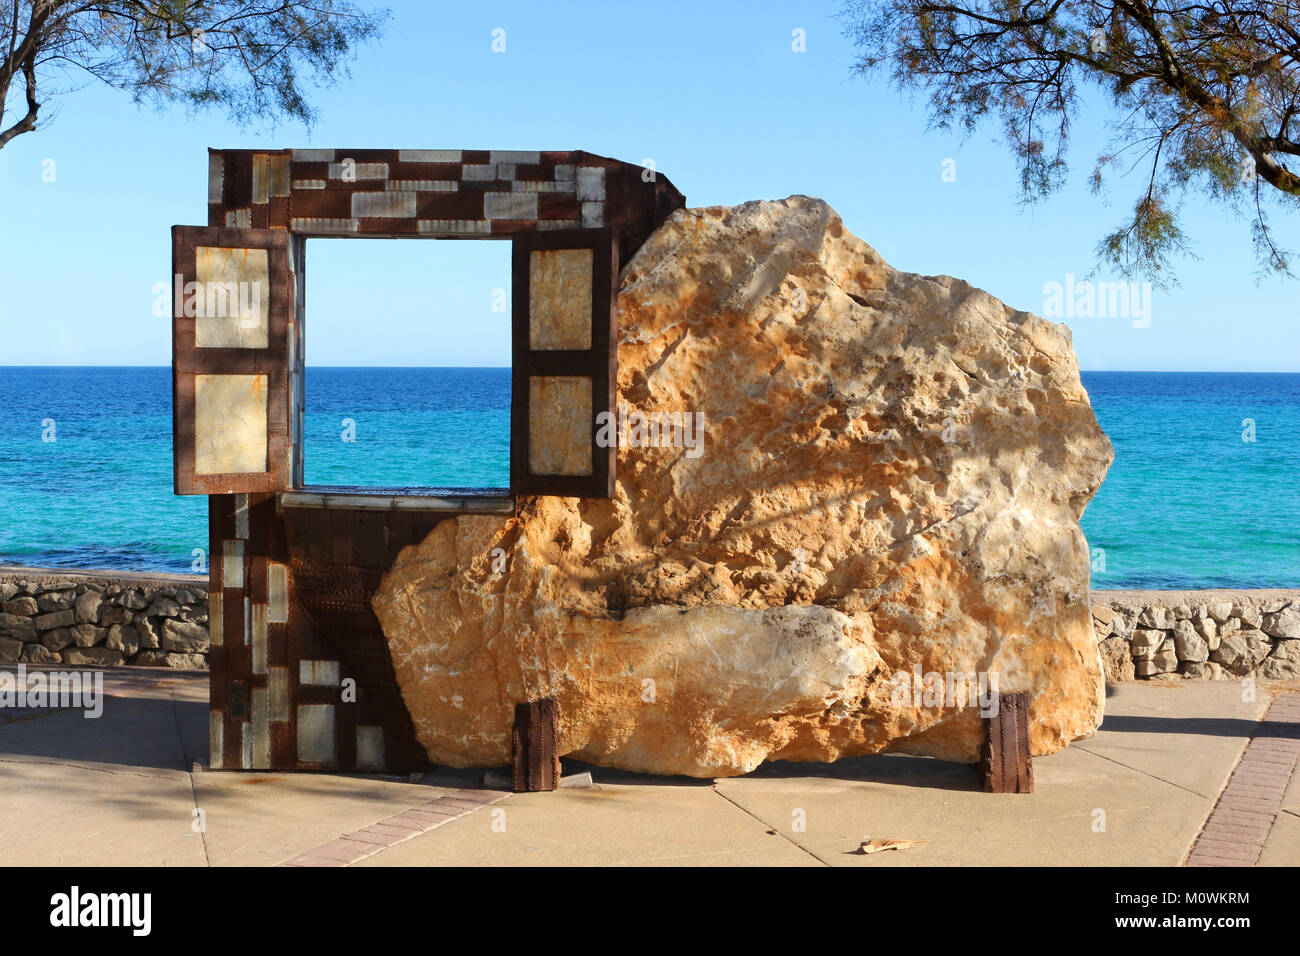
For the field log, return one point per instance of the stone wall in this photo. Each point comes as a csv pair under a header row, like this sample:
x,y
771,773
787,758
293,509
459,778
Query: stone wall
x,y
1207,635
54,617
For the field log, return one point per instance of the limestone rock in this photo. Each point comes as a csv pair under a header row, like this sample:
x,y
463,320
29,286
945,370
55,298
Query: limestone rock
x,y
183,637
111,614
1283,662
1159,618
100,656
51,601
10,649
55,620
17,628
86,635
1251,617
163,607
1165,659
1117,660
135,600
1220,612
38,654
1190,645
124,639
1239,651
1284,623
1145,642
1103,613
24,606
86,607
193,662
1123,625
57,639
148,633
890,483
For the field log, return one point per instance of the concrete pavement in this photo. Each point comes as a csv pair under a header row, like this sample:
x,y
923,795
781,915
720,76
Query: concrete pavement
x,y
121,789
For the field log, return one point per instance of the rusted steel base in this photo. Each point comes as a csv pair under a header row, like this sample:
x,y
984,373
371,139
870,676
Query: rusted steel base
x,y
1006,766
534,748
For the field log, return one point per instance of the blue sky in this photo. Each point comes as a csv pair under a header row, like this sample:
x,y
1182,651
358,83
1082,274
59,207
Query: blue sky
x,y
712,92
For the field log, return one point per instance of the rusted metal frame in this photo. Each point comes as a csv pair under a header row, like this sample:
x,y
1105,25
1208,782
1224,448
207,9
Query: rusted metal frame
x,y
631,210
634,205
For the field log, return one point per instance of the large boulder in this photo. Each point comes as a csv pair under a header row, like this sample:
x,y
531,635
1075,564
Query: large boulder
x,y
890,483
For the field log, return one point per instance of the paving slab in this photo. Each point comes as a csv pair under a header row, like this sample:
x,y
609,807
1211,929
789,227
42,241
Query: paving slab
x,y
1283,845
1187,733
119,790
624,820
1084,811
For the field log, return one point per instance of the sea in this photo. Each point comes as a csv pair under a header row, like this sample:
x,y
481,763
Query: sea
x,y
1204,492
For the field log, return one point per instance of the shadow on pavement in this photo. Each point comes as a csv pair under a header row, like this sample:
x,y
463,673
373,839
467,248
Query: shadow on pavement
x,y
154,733
1201,726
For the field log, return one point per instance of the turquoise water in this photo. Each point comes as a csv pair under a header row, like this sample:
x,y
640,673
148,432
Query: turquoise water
x,y
1187,504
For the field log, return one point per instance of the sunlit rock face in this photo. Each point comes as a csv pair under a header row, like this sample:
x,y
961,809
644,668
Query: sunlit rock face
x,y
888,481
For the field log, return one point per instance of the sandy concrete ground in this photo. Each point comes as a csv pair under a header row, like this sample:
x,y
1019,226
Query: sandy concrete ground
x,y
122,790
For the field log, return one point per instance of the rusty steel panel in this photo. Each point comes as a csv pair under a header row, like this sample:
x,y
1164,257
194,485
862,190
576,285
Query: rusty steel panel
x,y
1006,765
534,746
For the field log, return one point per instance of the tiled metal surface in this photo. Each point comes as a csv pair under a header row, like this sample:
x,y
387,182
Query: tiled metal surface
x,y
301,675
303,672
436,193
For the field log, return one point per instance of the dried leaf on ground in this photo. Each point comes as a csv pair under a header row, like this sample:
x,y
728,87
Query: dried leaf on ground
x,y
876,846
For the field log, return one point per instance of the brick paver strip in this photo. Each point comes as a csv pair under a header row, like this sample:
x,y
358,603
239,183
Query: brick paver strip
x,y
398,828
1235,832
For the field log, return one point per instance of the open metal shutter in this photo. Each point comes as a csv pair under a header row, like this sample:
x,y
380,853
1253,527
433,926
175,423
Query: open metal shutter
x,y
565,362
234,351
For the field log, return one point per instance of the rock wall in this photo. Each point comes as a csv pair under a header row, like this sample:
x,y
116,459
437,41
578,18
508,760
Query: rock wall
x,y
57,617
1206,635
